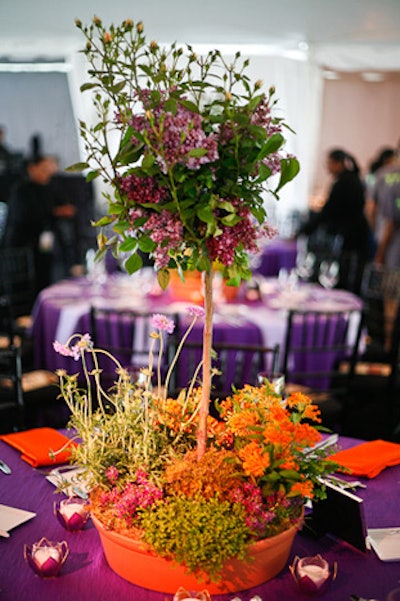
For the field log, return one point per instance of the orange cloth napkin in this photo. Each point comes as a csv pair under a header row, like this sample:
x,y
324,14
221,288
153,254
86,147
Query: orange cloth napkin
x,y
368,459
38,445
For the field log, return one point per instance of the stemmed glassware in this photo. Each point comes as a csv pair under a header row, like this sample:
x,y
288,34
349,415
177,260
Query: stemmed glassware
x,y
328,275
305,265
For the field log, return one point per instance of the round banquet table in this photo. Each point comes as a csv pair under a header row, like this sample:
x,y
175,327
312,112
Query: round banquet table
x,y
87,577
276,255
64,309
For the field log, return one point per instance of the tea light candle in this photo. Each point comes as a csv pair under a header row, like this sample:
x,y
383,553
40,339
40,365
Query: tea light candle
x,y
46,558
312,574
72,513
317,573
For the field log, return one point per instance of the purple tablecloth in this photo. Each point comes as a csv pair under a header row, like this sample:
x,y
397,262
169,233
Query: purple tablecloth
x,y
276,255
87,577
63,309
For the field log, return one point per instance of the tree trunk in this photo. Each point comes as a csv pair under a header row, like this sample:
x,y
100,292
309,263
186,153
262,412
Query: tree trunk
x,y
206,381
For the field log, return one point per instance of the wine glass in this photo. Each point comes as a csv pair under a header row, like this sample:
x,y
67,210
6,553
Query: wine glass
x,y
328,275
305,265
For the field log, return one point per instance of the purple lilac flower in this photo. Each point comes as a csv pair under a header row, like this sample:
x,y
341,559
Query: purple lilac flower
x,y
245,233
161,322
181,132
141,190
167,232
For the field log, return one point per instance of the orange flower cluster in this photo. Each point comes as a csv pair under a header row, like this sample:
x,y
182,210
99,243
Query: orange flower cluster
x,y
270,436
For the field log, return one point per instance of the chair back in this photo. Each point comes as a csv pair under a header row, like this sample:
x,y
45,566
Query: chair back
x,y
233,365
7,328
126,335
17,279
316,343
380,291
12,407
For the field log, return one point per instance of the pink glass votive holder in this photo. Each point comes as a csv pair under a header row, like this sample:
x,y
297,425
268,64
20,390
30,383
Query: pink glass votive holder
x,y
46,558
312,574
72,513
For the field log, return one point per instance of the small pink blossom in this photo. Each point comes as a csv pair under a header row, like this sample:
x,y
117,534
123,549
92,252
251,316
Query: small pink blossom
x,y
62,349
112,474
74,351
195,311
161,322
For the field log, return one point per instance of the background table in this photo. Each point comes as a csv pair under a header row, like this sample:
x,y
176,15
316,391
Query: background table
x,y
276,255
63,309
87,577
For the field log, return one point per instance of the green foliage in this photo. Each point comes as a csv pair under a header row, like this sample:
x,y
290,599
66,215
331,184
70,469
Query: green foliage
x,y
146,86
199,533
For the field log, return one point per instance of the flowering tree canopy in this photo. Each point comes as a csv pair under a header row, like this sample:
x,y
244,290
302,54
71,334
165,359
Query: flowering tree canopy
x,y
197,146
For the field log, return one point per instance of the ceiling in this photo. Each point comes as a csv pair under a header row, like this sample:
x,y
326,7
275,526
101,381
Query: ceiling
x,y
45,28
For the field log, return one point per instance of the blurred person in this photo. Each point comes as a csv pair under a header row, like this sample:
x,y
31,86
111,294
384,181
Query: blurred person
x,y
373,182
388,251
5,153
342,217
32,215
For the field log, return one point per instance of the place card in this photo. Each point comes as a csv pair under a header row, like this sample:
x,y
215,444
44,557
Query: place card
x,y
385,542
11,517
70,482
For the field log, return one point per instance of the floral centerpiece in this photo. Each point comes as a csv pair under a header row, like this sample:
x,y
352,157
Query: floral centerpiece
x,y
188,145
138,451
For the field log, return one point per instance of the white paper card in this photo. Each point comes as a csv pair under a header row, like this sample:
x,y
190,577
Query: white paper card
x,y
385,542
70,482
10,517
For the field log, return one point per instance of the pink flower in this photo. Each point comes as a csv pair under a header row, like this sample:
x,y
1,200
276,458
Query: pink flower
x,y
196,311
112,474
62,349
84,343
161,322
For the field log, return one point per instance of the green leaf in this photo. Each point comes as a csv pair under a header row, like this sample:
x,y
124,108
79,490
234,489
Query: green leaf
x,y
115,208
227,206
289,169
106,220
234,281
128,154
88,86
133,263
148,161
190,106
264,172
118,87
171,105
121,227
163,277
77,167
128,244
92,175
271,145
146,245
231,219
205,214
197,152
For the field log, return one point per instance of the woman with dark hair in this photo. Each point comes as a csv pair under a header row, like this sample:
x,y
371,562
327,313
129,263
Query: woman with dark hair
x,y
342,220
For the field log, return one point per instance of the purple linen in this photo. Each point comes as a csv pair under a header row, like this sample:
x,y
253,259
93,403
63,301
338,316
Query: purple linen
x,y
277,254
64,308
87,577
